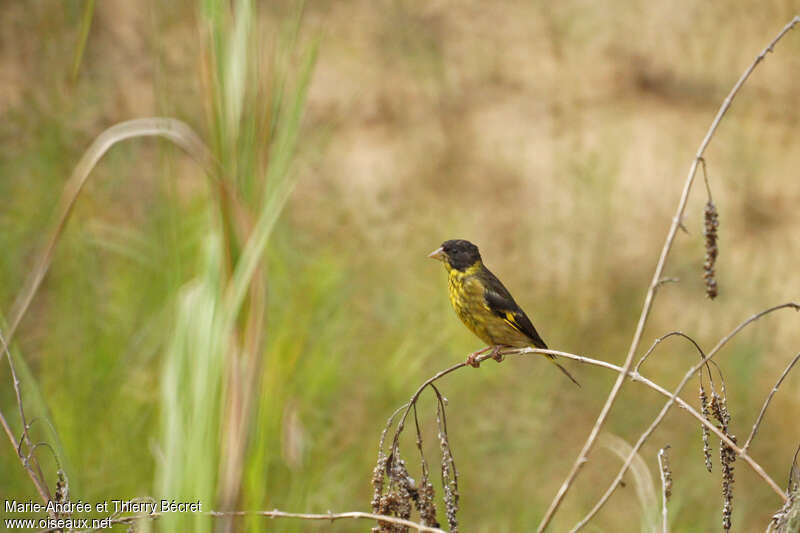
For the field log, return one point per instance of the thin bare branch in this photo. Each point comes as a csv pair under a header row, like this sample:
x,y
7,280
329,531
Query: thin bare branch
x,y
735,331
31,464
638,378
673,397
26,467
757,423
705,177
413,402
580,461
656,342
328,517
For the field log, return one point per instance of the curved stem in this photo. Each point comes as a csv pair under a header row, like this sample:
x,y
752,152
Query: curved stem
x,y
757,423
414,399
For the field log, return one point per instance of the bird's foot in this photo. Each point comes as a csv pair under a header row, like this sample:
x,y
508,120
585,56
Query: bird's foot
x,y
472,358
496,355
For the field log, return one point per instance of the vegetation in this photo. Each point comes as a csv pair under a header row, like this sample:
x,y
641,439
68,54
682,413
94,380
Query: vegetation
x,y
239,331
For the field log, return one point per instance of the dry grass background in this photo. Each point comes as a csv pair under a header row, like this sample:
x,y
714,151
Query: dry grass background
x,y
555,136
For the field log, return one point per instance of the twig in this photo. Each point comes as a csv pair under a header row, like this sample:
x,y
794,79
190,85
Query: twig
x,y
413,402
664,337
705,177
750,320
757,423
36,476
638,378
668,279
356,515
666,486
672,398
580,461
635,377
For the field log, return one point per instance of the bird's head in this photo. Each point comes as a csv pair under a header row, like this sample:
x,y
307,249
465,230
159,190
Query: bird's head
x,y
457,254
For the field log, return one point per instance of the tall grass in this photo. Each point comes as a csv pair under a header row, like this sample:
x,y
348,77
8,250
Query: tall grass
x,y
214,371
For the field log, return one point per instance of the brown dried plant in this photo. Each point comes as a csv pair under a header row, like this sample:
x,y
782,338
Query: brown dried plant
x,y
394,490
787,519
710,228
666,485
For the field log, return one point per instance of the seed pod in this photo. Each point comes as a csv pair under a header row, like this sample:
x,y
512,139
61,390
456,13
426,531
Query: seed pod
x,y
704,429
666,471
710,234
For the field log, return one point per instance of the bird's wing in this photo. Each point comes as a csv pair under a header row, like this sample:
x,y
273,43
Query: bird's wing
x,y
501,303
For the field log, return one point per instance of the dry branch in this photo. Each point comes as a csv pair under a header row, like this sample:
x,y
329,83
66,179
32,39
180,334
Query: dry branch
x,y
582,458
29,462
355,515
772,392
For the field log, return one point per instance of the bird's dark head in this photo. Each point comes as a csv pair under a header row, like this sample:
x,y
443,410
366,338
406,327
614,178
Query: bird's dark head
x,y
458,254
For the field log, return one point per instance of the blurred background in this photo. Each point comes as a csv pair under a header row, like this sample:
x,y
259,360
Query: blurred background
x,y
160,360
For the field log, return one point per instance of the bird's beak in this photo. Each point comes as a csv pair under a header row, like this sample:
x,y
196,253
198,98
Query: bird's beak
x,y
437,254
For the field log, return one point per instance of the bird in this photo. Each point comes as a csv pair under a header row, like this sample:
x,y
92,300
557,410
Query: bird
x,y
484,304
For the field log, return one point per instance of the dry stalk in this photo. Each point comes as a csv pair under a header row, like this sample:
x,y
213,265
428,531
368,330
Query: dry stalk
x,y
787,519
674,398
29,461
582,458
635,376
396,498
327,517
666,485
767,402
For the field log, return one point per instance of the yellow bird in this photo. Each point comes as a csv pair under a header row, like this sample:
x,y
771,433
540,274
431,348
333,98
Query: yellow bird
x,y
484,305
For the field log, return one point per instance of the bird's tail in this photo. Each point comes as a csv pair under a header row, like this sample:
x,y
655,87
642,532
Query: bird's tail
x,y
552,359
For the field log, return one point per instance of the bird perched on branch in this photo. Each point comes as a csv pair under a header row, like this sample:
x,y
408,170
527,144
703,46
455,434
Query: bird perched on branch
x,y
484,305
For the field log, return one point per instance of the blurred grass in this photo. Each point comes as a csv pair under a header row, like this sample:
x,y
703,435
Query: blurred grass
x,y
556,137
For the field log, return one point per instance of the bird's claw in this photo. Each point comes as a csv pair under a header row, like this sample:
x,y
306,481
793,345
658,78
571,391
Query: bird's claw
x,y
496,355
472,359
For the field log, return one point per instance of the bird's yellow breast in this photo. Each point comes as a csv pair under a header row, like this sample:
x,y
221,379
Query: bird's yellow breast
x,y
467,297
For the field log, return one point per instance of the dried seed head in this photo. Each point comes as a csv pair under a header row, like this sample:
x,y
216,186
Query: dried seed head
x,y
719,408
449,483
710,234
794,475
62,492
397,500
726,457
704,429
780,521
62,488
666,471
426,505
378,476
